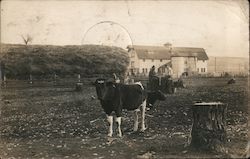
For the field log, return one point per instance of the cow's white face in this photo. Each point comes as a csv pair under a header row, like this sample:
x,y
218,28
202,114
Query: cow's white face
x,y
105,90
100,88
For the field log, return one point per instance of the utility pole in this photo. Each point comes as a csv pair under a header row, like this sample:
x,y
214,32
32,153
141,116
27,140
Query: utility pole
x,y
215,64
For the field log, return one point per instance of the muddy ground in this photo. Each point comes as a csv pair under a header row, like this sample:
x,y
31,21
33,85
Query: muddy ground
x,y
46,121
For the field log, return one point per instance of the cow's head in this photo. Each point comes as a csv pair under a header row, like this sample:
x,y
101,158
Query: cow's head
x,y
110,91
100,85
105,90
153,97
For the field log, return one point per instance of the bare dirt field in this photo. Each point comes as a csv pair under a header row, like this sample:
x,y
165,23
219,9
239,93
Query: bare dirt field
x,y
57,122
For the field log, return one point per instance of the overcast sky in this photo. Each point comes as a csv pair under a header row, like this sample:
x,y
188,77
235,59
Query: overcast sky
x,y
220,27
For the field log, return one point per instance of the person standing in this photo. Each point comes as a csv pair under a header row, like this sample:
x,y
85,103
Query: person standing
x,y
152,72
153,79
169,71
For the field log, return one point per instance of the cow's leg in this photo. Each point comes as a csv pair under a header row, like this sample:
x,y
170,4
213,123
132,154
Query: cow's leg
x,y
119,120
143,110
136,120
110,121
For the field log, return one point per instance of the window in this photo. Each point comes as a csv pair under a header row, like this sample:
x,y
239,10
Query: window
x,y
197,69
144,70
144,60
185,62
152,60
203,69
160,60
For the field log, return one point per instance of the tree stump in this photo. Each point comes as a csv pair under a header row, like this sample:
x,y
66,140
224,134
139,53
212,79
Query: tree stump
x,y
209,126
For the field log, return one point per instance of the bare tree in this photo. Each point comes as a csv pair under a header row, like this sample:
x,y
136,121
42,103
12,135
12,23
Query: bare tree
x,y
27,39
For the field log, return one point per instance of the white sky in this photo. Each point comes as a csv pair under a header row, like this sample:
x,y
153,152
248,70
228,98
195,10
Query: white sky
x,y
221,27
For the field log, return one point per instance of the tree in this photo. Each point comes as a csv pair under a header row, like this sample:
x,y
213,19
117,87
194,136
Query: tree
x,y
27,39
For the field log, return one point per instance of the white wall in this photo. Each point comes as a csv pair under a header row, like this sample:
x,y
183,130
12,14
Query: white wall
x,y
141,64
178,66
191,64
201,65
148,63
133,59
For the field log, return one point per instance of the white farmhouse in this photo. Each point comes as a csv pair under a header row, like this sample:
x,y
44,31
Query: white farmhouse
x,y
189,61
184,60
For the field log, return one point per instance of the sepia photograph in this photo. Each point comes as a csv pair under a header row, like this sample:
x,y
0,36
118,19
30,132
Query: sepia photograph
x,y
126,79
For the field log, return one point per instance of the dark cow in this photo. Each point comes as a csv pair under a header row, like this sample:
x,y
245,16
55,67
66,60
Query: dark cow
x,y
165,84
179,84
152,97
231,81
114,97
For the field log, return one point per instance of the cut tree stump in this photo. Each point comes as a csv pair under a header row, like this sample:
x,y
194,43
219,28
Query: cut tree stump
x,y
209,126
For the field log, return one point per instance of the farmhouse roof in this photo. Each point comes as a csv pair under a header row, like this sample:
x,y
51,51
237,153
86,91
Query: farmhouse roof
x,y
189,52
162,52
152,52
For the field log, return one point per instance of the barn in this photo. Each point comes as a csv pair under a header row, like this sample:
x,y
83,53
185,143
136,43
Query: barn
x,y
184,60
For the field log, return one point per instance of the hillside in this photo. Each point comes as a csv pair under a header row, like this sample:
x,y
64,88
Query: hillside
x,y
235,65
46,60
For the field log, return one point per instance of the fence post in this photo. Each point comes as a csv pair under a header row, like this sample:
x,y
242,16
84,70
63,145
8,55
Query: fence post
x,y
79,84
4,80
55,78
31,79
79,77
2,74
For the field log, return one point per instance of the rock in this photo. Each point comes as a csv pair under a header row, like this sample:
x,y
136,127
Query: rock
x,y
146,155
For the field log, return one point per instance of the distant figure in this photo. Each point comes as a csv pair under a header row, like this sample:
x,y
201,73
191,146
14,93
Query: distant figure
x,y
169,71
153,79
152,72
231,81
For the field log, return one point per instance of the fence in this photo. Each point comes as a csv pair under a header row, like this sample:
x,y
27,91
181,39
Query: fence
x,y
50,82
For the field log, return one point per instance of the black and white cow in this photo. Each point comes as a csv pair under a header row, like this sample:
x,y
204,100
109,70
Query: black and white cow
x,y
114,97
